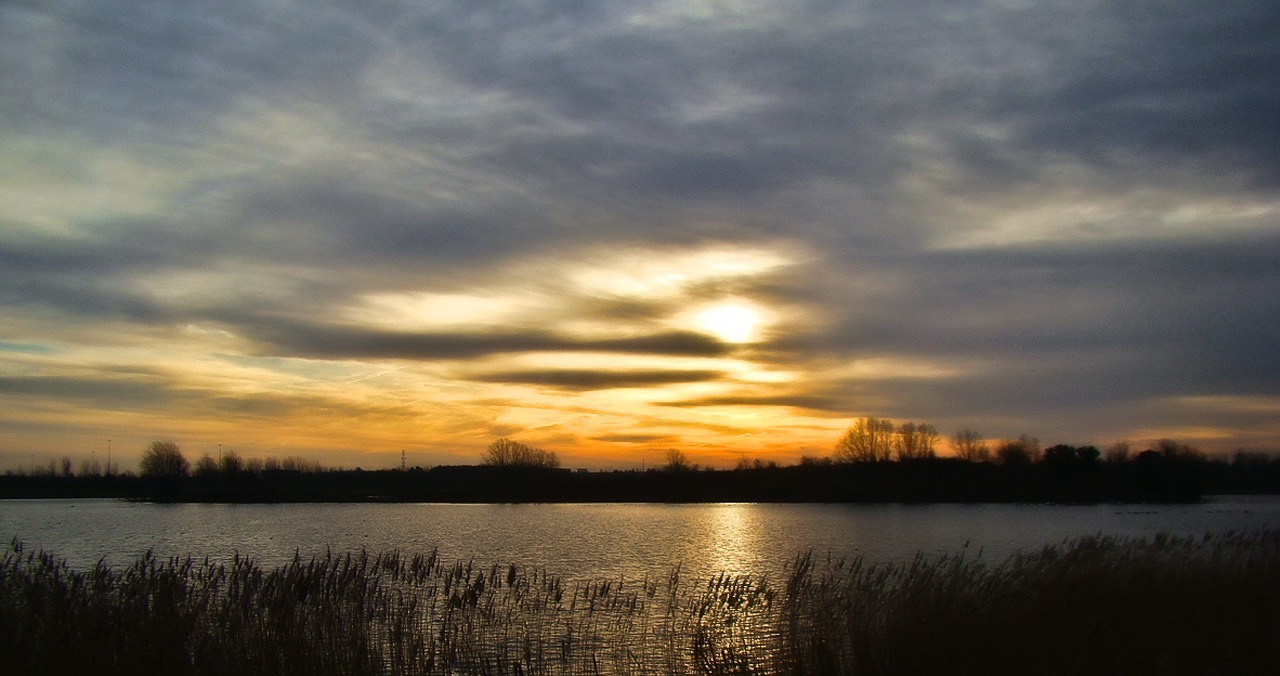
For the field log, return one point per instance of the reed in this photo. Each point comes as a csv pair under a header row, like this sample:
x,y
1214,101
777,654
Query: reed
x,y
1164,605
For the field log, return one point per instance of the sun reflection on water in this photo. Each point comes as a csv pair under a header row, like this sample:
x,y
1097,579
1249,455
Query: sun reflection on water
x,y
734,538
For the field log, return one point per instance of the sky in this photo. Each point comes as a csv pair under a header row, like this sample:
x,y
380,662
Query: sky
x,y
343,230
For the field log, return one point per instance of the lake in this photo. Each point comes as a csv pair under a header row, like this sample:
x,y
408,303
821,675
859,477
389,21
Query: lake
x,y
589,541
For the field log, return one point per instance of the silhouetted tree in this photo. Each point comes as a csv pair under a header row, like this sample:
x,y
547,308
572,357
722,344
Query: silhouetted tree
x,y
1117,452
1060,454
1250,461
1088,456
231,464
867,440
206,466
1180,452
506,452
970,446
163,459
914,441
677,461
1022,451
813,461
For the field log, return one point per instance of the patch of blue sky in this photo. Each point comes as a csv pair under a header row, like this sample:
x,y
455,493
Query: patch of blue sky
x,y
30,348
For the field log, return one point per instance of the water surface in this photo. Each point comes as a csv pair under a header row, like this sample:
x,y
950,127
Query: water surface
x,y
598,540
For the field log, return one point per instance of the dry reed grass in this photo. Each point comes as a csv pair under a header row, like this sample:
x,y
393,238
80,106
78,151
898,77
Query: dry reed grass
x,y
1094,605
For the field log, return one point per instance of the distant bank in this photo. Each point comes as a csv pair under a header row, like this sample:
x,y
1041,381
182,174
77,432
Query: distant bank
x,y
936,480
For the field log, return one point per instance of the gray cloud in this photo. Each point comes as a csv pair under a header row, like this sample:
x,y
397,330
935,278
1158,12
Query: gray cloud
x,y
105,391
636,438
816,402
282,336
573,379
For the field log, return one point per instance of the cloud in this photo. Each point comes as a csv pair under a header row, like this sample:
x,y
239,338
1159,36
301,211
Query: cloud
x,y
124,392
829,404
597,380
973,193
636,438
338,342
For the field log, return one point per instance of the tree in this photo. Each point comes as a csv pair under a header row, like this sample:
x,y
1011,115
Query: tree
x,y
915,441
1117,452
506,452
677,461
867,440
1174,450
206,466
230,464
1087,456
164,459
970,446
1022,451
1066,460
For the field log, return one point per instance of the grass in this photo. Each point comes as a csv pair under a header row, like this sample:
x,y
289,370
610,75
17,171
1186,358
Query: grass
x,y
1165,605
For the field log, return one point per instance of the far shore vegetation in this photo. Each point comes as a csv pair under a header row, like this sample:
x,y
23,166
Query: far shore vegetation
x,y
874,461
1096,605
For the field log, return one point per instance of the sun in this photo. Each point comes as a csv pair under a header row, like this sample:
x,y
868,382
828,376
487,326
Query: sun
x,y
730,322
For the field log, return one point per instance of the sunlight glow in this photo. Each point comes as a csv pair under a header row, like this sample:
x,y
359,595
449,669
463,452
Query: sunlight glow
x,y
648,283
655,273
731,322
433,310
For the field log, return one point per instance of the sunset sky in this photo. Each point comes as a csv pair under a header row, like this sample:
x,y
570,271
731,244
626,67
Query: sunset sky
x,y
340,230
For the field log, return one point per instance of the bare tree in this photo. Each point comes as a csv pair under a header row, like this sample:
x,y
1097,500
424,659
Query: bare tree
x,y
206,466
867,440
914,441
164,459
677,461
230,463
970,446
297,463
1174,450
506,452
1117,452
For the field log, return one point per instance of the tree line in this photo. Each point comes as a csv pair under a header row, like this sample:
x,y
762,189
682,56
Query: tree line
x,y
874,460
872,439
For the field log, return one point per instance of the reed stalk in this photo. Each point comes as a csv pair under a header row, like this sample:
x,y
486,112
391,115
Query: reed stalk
x,y
1163,605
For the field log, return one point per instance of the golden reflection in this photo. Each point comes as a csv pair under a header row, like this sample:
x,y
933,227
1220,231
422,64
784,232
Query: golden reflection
x,y
734,542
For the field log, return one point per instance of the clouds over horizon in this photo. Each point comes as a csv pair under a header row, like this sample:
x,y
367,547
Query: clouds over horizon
x,y
1051,217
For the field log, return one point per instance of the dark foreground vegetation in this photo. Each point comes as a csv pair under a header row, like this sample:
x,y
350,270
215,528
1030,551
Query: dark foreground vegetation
x,y
1098,605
